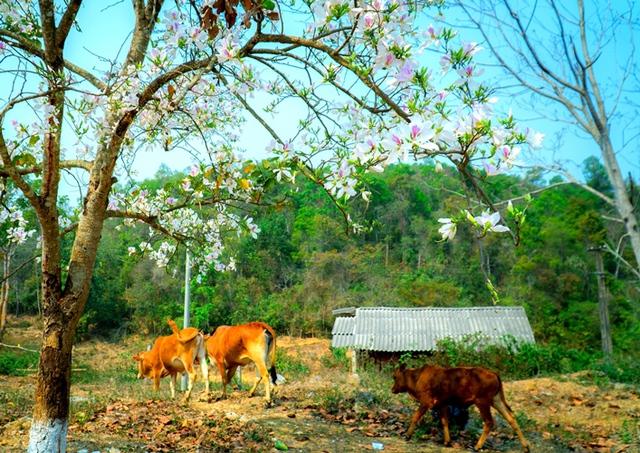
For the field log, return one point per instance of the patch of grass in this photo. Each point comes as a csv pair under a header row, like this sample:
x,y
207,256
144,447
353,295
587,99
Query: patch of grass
x,y
256,433
621,369
21,324
18,363
289,366
334,400
377,382
630,432
336,359
525,422
15,403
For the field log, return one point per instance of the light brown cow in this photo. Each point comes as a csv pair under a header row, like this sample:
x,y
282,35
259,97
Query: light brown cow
x,y
435,388
234,346
175,354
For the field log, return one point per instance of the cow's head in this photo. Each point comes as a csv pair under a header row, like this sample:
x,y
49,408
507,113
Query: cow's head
x,y
400,379
144,367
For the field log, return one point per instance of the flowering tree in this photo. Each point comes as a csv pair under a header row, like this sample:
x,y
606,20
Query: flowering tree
x,y
193,73
15,231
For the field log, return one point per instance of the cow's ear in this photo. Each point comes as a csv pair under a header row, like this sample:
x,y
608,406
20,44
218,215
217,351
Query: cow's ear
x,y
137,358
403,366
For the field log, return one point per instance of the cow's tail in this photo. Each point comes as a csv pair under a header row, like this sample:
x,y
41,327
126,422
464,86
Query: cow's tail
x,y
174,326
270,339
501,393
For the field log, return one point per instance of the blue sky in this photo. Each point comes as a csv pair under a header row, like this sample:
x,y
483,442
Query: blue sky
x,y
105,29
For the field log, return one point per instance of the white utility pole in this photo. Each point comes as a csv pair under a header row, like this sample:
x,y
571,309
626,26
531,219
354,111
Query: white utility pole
x,y
187,303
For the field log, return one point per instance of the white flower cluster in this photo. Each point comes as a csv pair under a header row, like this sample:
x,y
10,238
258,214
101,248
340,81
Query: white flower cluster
x,y
484,223
15,225
197,210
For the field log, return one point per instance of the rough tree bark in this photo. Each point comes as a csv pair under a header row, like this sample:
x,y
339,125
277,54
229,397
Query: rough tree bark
x,y
4,290
603,305
63,304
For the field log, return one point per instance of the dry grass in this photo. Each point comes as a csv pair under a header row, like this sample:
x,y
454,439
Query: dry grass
x,y
110,409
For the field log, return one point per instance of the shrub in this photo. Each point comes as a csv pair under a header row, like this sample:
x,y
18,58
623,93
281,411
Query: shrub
x,y
523,360
336,359
17,363
290,366
334,400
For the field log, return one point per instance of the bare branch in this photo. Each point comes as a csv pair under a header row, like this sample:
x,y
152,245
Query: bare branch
x,y
622,260
12,171
20,42
18,347
73,163
534,53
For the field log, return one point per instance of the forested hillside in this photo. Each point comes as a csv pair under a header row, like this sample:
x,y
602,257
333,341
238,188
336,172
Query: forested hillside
x,y
304,264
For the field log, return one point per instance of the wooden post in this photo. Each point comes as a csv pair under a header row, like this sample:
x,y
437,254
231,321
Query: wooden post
x,y
603,304
354,361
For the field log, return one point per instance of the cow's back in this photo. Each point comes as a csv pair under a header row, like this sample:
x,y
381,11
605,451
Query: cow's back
x,y
230,344
462,385
170,349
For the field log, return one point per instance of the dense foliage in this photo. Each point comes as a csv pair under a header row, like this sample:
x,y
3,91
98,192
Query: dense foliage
x,y
304,264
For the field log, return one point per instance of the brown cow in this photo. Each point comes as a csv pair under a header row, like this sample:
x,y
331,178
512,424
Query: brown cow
x,y
174,354
234,346
437,387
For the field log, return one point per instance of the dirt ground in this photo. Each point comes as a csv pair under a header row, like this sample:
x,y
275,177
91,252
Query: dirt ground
x,y
321,408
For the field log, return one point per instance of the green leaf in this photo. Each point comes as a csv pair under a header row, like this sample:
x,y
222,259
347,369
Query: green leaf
x,y
33,140
25,159
280,445
268,4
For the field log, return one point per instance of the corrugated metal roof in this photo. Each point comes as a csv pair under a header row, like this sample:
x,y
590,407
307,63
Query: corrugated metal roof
x,y
419,329
342,332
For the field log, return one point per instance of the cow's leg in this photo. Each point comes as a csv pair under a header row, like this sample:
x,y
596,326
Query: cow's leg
x,y
191,372
172,385
485,413
238,374
223,377
444,418
231,371
415,419
156,382
502,407
264,376
204,367
255,386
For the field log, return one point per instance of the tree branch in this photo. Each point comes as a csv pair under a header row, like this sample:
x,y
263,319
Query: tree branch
x,y
309,43
29,47
73,163
69,16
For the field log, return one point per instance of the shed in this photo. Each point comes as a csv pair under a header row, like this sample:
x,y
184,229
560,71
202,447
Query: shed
x,y
392,329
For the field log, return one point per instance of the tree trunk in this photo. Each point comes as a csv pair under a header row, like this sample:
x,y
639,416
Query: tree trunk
x,y
51,411
603,306
623,202
50,418
4,291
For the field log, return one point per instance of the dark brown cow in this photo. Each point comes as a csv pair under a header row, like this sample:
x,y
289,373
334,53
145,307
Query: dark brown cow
x,y
435,388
